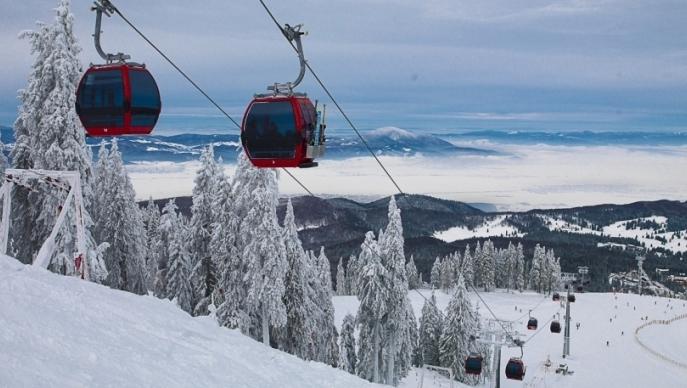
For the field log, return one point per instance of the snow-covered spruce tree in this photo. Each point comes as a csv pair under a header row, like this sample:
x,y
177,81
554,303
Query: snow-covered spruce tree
x,y
510,265
231,292
460,325
488,266
519,268
178,284
396,331
298,336
341,279
153,244
468,269
170,224
49,136
435,275
373,296
447,273
413,276
535,275
347,357
457,266
431,327
120,223
409,346
203,217
327,330
478,266
352,273
265,257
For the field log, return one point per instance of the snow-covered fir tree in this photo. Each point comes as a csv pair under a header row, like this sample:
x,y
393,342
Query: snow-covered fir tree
x,y
203,216
435,275
265,257
431,328
536,268
488,266
459,329
49,136
347,356
468,268
447,273
413,276
396,332
478,266
373,296
341,279
153,244
519,269
299,335
352,275
120,223
170,226
328,336
178,284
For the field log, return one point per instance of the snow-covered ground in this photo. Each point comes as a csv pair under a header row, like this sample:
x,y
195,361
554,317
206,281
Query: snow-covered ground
x,y
524,177
602,318
58,331
495,226
668,340
676,242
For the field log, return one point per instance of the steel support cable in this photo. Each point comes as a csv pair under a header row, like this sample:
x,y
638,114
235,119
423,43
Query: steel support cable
x,y
195,85
174,65
334,101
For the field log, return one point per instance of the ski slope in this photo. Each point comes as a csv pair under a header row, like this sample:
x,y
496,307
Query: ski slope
x,y
58,331
623,363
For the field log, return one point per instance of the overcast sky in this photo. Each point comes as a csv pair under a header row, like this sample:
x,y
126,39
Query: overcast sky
x,y
584,61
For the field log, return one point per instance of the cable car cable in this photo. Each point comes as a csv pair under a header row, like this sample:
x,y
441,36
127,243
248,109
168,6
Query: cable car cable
x,y
331,97
195,85
174,65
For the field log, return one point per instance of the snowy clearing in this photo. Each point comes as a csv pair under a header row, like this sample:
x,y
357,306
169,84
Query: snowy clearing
x,y
58,331
491,227
658,238
621,364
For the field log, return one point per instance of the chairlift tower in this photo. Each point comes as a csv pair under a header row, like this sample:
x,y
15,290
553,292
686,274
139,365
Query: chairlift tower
x,y
566,336
495,335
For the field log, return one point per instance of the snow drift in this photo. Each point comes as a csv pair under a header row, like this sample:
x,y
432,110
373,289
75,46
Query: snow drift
x,y
58,331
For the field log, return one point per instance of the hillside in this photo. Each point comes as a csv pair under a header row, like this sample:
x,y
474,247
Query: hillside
x,y
58,331
601,237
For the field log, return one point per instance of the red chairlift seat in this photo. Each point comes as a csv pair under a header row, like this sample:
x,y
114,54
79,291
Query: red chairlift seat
x,y
280,130
118,99
556,297
515,369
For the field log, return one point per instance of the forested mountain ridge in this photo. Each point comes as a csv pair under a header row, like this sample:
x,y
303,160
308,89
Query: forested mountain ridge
x,y
576,234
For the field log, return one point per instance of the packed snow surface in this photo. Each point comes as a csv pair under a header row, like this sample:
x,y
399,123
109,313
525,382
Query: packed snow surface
x,y
58,331
602,317
496,226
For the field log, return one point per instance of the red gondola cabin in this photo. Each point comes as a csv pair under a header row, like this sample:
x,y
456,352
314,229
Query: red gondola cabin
x,y
118,99
280,131
515,369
